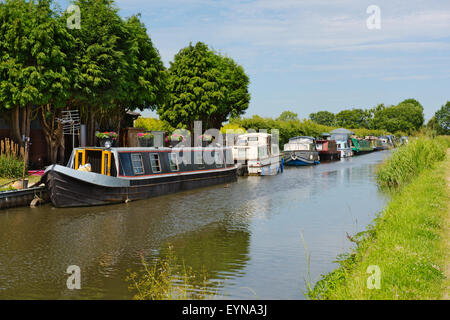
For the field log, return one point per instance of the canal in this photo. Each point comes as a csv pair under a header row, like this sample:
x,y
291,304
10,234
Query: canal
x,y
247,236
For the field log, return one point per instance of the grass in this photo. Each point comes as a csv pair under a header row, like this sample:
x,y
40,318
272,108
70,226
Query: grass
x,y
407,241
164,279
31,180
410,160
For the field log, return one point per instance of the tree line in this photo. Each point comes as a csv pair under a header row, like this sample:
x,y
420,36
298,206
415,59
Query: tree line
x,y
105,68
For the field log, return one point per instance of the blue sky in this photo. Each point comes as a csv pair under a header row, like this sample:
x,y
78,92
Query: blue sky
x,y
311,55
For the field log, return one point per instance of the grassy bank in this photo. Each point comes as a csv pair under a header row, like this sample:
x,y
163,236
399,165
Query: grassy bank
x,y
407,240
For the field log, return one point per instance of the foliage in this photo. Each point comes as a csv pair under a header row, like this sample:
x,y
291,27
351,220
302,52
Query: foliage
x,y
355,118
442,119
407,116
288,116
232,128
107,135
161,280
152,124
144,135
409,160
325,118
11,159
204,86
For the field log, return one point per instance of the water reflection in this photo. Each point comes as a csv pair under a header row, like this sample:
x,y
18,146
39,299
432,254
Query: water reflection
x,y
246,234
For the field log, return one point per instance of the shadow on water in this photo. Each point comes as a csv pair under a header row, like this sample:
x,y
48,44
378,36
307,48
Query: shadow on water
x,y
246,235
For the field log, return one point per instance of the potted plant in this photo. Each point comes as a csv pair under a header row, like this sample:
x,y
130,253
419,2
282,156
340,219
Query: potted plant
x,y
174,139
145,139
107,139
205,139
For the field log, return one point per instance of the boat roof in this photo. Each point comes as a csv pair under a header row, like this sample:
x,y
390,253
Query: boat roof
x,y
254,134
302,137
342,131
137,149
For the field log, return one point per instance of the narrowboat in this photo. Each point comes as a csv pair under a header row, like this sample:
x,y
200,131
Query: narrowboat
x,y
342,138
257,154
327,150
100,176
360,146
375,143
301,151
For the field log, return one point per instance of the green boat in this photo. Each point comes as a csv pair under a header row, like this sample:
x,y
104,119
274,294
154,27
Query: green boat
x,y
360,146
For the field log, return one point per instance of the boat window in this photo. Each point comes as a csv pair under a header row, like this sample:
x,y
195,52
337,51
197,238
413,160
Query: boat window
x,y
156,164
136,161
242,153
254,139
174,163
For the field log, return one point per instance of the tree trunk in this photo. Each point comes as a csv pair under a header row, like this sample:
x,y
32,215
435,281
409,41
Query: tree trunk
x,y
54,135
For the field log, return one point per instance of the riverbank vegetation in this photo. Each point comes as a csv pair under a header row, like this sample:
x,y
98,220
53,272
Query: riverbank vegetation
x,y
164,278
406,240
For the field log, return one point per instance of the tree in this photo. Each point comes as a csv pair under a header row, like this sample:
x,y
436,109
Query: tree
x,y
288,116
407,116
325,118
442,118
33,68
354,118
204,86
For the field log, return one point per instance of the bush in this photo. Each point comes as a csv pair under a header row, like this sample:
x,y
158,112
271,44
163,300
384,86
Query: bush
x,y
409,160
11,167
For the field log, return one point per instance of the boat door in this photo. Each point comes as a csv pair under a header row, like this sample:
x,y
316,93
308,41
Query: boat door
x,y
99,159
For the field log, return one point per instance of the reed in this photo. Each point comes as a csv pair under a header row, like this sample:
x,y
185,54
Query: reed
x,y
410,160
165,279
12,164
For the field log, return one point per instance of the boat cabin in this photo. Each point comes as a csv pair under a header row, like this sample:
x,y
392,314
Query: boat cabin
x,y
144,162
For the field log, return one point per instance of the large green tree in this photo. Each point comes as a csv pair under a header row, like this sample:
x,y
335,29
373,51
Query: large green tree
x,y
33,68
325,118
354,118
204,86
407,117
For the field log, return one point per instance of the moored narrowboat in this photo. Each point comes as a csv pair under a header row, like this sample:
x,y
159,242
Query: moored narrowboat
x,y
100,176
257,154
342,138
301,151
360,146
327,150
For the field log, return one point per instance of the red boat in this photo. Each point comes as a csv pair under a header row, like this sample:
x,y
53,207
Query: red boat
x,y
328,150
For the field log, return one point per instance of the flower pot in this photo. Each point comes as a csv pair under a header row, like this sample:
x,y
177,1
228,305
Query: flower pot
x,y
206,143
146,142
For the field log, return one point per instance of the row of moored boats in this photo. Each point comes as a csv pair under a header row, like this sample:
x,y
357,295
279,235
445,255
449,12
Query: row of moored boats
x,y
100,176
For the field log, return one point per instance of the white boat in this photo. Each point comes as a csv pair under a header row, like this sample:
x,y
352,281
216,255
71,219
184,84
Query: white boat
x,y
342,138
257,154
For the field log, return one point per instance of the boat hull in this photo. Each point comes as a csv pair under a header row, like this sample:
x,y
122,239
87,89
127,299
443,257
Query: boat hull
x,y
65,189
301,158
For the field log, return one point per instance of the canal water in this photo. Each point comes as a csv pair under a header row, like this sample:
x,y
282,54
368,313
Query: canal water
x,y
245,237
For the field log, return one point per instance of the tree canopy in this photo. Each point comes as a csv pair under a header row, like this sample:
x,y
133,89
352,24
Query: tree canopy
x,y
204,86
325,118
442,119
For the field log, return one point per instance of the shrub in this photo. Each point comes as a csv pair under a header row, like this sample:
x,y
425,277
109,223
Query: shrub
x,y
411,159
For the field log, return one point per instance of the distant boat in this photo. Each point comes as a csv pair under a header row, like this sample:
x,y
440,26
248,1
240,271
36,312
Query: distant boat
x,y
257,154
100,176
342,138
327,150
301,151
360,146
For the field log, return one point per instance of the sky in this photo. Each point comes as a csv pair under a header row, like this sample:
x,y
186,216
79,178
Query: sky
x,y
312,55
